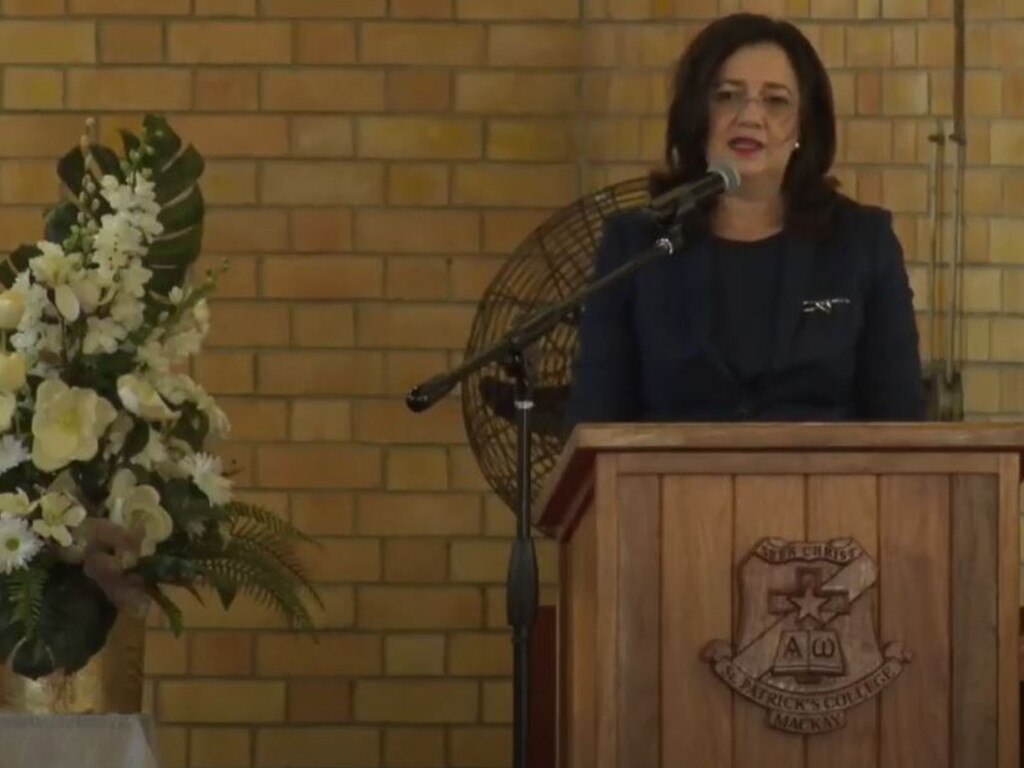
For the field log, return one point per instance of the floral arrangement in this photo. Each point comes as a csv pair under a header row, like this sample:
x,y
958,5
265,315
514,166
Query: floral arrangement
x,y
105,485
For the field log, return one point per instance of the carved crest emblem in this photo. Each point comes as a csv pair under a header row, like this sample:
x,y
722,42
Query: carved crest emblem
x,y
807,647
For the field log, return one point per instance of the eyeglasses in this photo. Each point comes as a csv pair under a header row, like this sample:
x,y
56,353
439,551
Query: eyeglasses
x,y
776,106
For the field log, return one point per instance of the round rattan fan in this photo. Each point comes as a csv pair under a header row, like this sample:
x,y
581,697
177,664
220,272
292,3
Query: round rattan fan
x,y
552,263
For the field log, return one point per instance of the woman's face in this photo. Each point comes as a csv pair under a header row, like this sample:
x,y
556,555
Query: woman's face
x,y
754,113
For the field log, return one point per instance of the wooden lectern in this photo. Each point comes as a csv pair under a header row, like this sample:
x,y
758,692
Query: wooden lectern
x,y
787,596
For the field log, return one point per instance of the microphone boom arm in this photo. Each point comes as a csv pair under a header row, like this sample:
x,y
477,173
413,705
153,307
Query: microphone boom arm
x,y
539,324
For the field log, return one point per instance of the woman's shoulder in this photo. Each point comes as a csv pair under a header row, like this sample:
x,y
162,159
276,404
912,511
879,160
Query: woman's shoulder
x,y
865,234
625,233
630,223
859,220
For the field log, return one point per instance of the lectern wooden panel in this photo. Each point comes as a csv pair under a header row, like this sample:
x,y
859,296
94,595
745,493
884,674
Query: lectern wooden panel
x,y
800,596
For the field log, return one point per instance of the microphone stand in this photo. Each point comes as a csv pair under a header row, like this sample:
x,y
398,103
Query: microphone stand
x,y
509,351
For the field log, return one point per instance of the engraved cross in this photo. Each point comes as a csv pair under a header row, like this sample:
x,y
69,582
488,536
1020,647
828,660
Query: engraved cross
x,y
809,598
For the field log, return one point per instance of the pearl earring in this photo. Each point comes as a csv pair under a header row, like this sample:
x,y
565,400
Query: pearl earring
x,y
796,144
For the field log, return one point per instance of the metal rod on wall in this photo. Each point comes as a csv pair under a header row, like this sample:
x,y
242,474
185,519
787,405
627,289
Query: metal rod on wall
x,y
956,339
936,204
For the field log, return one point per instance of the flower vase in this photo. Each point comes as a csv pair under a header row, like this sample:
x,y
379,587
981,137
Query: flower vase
x,y
111,681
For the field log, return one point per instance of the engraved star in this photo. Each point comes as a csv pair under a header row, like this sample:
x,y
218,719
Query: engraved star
x,y
809,604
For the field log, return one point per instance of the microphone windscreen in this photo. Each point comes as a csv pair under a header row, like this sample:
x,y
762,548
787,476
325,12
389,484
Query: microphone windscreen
x,y
729,175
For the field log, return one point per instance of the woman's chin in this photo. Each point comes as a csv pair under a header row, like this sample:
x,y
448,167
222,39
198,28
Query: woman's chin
x,y
752,164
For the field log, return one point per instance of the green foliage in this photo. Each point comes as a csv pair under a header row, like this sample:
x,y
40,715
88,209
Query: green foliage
x,y
16,261
257,557
24,594
176,171
170,609
68,621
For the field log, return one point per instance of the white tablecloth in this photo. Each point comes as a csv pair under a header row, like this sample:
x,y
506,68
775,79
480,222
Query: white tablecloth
x,y
77,741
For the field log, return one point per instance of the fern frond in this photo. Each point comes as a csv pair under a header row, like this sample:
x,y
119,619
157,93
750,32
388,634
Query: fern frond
x,y
261,544
252,571
260,534
25,590
242,514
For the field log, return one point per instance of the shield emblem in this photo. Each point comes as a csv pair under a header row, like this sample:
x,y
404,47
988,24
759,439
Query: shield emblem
x,y
807,648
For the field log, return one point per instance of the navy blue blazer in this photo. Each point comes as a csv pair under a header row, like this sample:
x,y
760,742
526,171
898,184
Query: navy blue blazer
x,y
846,340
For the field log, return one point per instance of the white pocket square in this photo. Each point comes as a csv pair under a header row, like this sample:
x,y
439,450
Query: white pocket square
x,y
824,306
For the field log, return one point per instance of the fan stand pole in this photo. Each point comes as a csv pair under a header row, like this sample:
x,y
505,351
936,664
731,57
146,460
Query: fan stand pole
x,y
521,595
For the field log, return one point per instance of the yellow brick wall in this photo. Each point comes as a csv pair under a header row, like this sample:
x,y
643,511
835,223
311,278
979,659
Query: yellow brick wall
x,y
371,162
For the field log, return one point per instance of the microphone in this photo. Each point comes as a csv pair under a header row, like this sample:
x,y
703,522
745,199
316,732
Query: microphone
x,y
717,180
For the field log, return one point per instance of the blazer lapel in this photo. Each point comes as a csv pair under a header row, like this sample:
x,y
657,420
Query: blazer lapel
x,y
797,266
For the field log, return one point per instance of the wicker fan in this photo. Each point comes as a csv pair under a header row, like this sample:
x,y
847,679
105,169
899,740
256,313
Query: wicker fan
x,y
553,262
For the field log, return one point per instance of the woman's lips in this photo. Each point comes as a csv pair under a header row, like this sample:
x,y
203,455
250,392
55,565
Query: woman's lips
x,y
746,147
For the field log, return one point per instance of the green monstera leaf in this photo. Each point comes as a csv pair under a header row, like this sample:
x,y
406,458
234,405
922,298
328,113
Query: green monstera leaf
x,y
176,171
16,261
175,167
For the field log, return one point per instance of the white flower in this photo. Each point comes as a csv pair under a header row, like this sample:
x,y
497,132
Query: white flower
x,y
117,194
142,399
151,354
134,279
183,345
127,311
31,324
35,308
123,240
81,294
60,513
67,302
176,388
37,303
116,240
137,507
149,225
67,424
12,453
102,335
201,315
52,267
15,504
135,202
205,471
155,452
12,307
17,544
145,189
12,371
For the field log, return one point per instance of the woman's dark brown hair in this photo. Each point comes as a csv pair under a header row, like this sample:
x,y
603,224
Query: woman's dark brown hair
x,y
808,191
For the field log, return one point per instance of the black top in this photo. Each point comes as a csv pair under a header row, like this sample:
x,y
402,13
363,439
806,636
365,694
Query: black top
x,y
745,294
840,344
